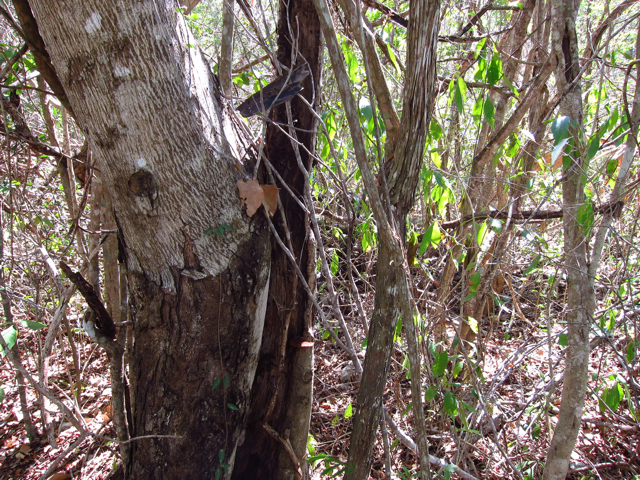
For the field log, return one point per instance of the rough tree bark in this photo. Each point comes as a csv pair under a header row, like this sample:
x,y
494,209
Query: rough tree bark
x,y
282,392
402,172
167,150
580,298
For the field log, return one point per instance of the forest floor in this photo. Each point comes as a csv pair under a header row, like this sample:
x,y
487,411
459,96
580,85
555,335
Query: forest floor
x,y
515,357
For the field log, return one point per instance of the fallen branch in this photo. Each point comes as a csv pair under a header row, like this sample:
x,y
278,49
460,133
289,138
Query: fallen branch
x,y
528,215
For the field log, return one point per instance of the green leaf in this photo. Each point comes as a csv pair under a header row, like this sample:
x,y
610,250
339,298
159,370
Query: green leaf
x,y
612,397
221,456
406,364
593,147
533,265
440,365
352,62
218,473
514,146
216,384
631,352
481,233
232,407
34,325
450,404
470,296
511,86
432,236
208,231
392,56
424,244
368,237
430,394
460,94
560,128
448,470
474,281
10,336
436,130
557,150
396,334
476,112
585,216
334,263
326,150
473,324
226,381
458,368
495,224
241,79
2,395
365,109
481,56
481,48
348,413
331,124
562,340
494,73
489,112
612,166
311,445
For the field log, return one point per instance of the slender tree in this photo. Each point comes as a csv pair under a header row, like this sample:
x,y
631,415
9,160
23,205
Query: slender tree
x,y
580,300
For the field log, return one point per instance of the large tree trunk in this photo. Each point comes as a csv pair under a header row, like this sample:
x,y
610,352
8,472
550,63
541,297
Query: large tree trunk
x,y
167,151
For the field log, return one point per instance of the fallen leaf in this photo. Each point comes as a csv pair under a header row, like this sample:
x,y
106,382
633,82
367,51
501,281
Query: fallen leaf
x,y
251,195
11,442
25,448
270,200
60,476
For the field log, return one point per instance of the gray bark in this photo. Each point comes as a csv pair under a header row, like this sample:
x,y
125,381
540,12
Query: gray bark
x,y
580,298
147,102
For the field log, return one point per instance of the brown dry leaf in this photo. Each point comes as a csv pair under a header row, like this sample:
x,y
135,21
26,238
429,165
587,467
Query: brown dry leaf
x,y
60,476
251,195
558,163
25,448
11,442
270,200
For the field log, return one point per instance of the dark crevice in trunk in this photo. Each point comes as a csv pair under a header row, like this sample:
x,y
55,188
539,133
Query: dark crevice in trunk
x,y
281,396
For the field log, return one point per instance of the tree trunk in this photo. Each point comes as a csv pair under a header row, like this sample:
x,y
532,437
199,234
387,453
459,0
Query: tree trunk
x,y
198,265
282,393
402,172
580,303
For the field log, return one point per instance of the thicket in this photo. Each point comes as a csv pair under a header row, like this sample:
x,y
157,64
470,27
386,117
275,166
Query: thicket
x,y
484,245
